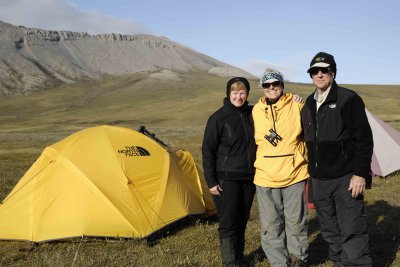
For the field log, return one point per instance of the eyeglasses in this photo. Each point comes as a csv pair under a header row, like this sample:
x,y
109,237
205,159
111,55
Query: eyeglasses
x,y
315,71
268,85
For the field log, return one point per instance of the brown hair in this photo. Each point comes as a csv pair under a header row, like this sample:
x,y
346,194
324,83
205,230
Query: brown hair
x,y
236,86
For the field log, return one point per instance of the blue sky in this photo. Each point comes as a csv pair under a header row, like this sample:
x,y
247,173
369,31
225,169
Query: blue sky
x,y
363,35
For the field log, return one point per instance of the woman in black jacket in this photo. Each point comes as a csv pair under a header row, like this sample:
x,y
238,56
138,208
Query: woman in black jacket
x,y
228,157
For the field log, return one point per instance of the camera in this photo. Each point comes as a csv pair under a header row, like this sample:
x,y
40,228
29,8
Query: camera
x,y
273,137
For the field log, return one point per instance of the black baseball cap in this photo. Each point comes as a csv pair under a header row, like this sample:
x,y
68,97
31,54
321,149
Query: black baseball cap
x,y
323,60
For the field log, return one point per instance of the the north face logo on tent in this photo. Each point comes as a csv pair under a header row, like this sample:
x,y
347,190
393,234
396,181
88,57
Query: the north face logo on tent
x,y
134,151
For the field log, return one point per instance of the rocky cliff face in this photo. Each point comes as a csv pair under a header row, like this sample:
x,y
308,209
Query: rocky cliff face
x,y
33,59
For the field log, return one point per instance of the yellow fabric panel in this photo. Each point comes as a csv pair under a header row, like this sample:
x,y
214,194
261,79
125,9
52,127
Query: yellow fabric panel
x,y
72,206
184,193
16,217
189,166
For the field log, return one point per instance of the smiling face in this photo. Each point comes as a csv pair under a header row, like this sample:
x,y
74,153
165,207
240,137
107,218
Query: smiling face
x,y
238,95
322,78
273,90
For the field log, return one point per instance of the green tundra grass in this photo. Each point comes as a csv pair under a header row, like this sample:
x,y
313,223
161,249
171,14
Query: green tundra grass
x,y
176,111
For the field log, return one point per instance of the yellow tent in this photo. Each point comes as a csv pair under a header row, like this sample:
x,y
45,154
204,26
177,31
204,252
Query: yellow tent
x,y
103,181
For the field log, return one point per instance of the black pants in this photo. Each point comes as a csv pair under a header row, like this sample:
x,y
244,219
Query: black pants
x,y
233,207
343,222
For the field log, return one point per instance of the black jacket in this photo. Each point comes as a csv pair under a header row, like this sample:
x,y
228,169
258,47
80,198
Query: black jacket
x,y
338,136
228,148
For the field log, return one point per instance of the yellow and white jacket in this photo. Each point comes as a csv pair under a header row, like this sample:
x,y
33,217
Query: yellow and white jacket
x,y
284,164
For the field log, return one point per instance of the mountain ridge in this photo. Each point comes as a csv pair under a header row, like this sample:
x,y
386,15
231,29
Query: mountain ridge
x,y
33,59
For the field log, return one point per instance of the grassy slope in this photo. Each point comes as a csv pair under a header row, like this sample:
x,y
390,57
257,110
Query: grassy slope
x,y
177,112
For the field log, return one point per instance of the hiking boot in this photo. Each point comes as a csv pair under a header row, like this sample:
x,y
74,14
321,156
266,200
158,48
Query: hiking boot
x,y
228,251
296,262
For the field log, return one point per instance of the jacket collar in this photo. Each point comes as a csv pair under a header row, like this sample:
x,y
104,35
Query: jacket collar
x,y
331,97
282,101
230,107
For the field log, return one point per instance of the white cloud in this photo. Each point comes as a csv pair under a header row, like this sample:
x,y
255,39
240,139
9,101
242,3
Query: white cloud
x,y
257,67
64,15
293,68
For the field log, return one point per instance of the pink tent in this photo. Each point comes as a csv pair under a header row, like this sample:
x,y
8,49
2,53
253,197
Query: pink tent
x,y
386,157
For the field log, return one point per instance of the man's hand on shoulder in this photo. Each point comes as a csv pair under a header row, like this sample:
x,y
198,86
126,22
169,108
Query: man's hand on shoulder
x,y
297,99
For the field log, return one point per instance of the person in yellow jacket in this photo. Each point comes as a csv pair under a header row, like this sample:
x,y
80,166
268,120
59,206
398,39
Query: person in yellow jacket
x,y
281,174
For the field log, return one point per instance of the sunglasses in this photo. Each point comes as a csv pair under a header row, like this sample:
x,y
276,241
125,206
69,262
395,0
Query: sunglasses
x,y
315,71
268,85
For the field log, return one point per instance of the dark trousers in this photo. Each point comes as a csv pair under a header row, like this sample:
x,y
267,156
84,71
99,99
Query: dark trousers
x,y
343,222
233,207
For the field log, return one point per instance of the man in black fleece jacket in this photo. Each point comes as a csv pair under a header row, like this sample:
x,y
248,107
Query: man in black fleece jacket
x,y
340,145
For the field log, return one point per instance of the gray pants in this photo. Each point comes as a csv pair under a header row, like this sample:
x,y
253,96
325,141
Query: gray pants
x,y
283,216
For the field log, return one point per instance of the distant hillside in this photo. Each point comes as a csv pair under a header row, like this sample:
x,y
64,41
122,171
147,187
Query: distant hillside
x,y
33,59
